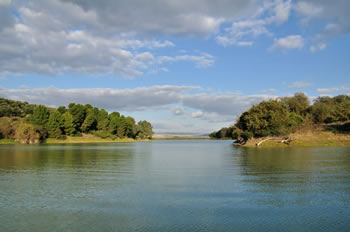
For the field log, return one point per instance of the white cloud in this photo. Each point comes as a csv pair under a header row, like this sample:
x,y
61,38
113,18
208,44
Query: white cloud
x,y
281,10
289,42
197,114
299,85
333,14
195,17
318,47
178,110
333,90
242,32
203,60
210,107
54,37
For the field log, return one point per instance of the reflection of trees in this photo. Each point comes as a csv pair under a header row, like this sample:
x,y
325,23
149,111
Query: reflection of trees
x,y
294,175
64,156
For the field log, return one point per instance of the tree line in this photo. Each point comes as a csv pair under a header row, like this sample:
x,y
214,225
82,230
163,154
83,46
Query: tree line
x,y
282,116
41,122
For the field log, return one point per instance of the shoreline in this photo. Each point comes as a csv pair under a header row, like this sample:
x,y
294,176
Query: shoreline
x,y
307,139
76,140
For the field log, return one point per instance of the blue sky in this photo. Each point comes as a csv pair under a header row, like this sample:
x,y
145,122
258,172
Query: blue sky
x,y
186,66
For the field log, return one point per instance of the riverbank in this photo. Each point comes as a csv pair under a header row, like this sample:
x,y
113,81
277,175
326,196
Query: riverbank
x,y
79,139
305,139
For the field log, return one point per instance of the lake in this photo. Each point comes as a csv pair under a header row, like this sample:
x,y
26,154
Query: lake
x,y
185,185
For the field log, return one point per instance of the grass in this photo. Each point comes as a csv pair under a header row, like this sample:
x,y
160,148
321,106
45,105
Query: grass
x,y
8,141
307,139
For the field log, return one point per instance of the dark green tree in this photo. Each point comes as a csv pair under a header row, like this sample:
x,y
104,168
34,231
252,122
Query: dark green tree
x,y
40,115
114,121
102,120
144,130
55,125
78,113
69,127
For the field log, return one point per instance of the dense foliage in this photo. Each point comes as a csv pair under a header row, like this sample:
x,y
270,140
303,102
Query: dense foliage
x,y
36,122
11,108
281,116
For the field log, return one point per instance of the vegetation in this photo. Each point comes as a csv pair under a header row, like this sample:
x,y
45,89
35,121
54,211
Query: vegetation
x,y
285,115
10,108
28,123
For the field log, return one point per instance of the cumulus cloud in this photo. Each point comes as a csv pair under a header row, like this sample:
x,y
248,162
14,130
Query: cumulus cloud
x,y
333,14
54,37
195,17
120,37
211,107
299,85
243,32
289,42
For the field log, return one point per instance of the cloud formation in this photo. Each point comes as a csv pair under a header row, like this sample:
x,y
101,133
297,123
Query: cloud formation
x,y
333,90
127,37
210,107
299,85
289,42
334,15
55,37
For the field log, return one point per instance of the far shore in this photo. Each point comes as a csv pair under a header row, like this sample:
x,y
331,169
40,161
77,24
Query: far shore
x,y
178,137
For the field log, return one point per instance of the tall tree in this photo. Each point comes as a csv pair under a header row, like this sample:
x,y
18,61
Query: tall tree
x,y
69,127
78,113
102,120
55,124
40,115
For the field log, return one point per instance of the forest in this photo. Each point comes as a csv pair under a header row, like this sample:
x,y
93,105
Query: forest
x,y
284,115
29,123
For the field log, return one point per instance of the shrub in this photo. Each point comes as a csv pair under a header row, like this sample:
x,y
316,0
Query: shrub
x,y
104,134
29,134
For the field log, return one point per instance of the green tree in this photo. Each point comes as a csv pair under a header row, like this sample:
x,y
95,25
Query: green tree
x,y
114,121
69,127
55,125
78,113
298,104
268,118
40,115
62,109
144,130
89,123
102,120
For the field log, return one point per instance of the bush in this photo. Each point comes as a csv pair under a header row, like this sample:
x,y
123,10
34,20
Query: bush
x,y
104,134
29,134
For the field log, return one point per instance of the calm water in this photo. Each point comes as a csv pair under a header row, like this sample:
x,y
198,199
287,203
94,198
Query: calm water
x,y
173,186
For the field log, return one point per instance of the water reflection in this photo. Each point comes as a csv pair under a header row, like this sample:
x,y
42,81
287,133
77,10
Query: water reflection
x,y
173,186
302,176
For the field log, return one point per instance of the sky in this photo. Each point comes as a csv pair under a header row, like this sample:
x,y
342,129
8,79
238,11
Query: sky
x,y
187,66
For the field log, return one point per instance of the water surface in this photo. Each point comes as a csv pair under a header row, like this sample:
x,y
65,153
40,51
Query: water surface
x,y
173,186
